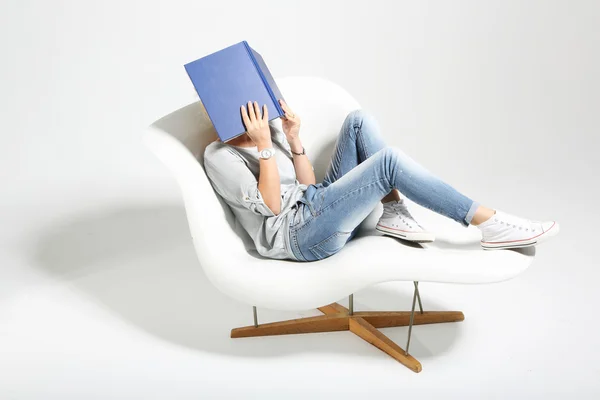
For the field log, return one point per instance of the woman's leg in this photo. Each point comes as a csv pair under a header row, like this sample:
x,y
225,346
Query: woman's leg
x,y
336,209
364,170
359,138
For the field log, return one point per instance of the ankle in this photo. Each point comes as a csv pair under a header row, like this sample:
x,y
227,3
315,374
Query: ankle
x,y
482,215
394,195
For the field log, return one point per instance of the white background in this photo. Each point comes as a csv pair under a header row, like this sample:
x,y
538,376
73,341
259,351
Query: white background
x,y
101,295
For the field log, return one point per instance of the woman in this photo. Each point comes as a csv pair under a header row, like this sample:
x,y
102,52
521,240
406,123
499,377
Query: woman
x,y
266,178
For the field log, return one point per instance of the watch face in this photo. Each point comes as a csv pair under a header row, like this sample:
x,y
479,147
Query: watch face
x,y
266,153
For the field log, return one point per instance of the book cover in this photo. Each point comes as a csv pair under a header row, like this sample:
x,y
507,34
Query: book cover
x,y
229,78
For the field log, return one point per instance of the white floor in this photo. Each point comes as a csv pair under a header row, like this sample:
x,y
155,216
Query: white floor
x,y
102,297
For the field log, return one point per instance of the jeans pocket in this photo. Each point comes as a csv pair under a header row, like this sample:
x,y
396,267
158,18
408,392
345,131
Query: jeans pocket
x,y
330,245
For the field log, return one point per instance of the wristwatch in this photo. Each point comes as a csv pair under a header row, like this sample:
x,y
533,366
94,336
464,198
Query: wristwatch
x,y
267,153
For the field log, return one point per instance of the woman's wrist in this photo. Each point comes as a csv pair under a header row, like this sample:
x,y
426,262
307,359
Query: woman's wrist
x,y
264,144
295,145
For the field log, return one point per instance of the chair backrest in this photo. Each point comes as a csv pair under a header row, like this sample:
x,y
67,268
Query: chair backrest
x,y
179,140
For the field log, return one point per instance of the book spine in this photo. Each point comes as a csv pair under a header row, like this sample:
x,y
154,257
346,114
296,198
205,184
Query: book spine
x,y
262,76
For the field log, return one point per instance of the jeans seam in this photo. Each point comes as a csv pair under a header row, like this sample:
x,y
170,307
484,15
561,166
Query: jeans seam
x,y
297,247
306,223
339,164
361,138
294,231
321,251
349,193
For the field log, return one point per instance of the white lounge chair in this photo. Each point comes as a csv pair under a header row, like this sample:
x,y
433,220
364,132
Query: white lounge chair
x,y
232,264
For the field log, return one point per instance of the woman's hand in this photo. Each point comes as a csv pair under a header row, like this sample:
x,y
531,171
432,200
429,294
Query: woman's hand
x,y
290,124
257,126
269,183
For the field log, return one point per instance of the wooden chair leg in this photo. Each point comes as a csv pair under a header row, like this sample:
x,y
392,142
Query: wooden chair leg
x,y
333,308
366,331
363,324
321,323
385,319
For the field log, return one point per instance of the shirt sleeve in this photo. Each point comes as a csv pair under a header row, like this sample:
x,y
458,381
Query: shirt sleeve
x,y
234,181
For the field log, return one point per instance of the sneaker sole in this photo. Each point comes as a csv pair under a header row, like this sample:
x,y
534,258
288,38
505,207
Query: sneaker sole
x,y
552,231
412,236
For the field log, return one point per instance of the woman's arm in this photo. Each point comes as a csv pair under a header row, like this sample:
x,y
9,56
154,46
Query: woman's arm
x,y
291,127
257,127
269,183
304,170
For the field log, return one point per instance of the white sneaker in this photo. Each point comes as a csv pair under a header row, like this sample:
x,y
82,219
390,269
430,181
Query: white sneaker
x,y
505,231
398,222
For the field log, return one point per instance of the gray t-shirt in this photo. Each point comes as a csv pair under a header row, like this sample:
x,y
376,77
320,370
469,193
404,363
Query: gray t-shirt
x,y
233,172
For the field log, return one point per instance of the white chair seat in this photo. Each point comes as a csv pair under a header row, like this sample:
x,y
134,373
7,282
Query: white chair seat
x,y
227,255
368,259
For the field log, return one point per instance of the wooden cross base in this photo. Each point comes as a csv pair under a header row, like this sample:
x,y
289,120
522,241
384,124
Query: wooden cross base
x,y
363,324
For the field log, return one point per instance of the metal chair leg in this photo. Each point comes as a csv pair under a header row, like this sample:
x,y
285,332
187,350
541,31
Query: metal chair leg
x,y
351,304
418,296
255,317
412,316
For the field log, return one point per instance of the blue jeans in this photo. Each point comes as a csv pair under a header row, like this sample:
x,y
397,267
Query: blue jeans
x,y
362,171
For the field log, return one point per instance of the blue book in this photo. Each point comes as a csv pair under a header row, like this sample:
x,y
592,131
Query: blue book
x,y
229,78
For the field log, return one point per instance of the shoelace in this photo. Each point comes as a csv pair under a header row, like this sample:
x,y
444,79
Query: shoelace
x,y
400,209
528,225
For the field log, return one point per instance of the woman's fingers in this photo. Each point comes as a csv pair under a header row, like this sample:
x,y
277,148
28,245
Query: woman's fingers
x,y
245,117
253,114
285,108
283,104
257,111
251,111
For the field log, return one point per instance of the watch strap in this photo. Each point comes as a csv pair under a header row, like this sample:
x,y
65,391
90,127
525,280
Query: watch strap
x,y
299,154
